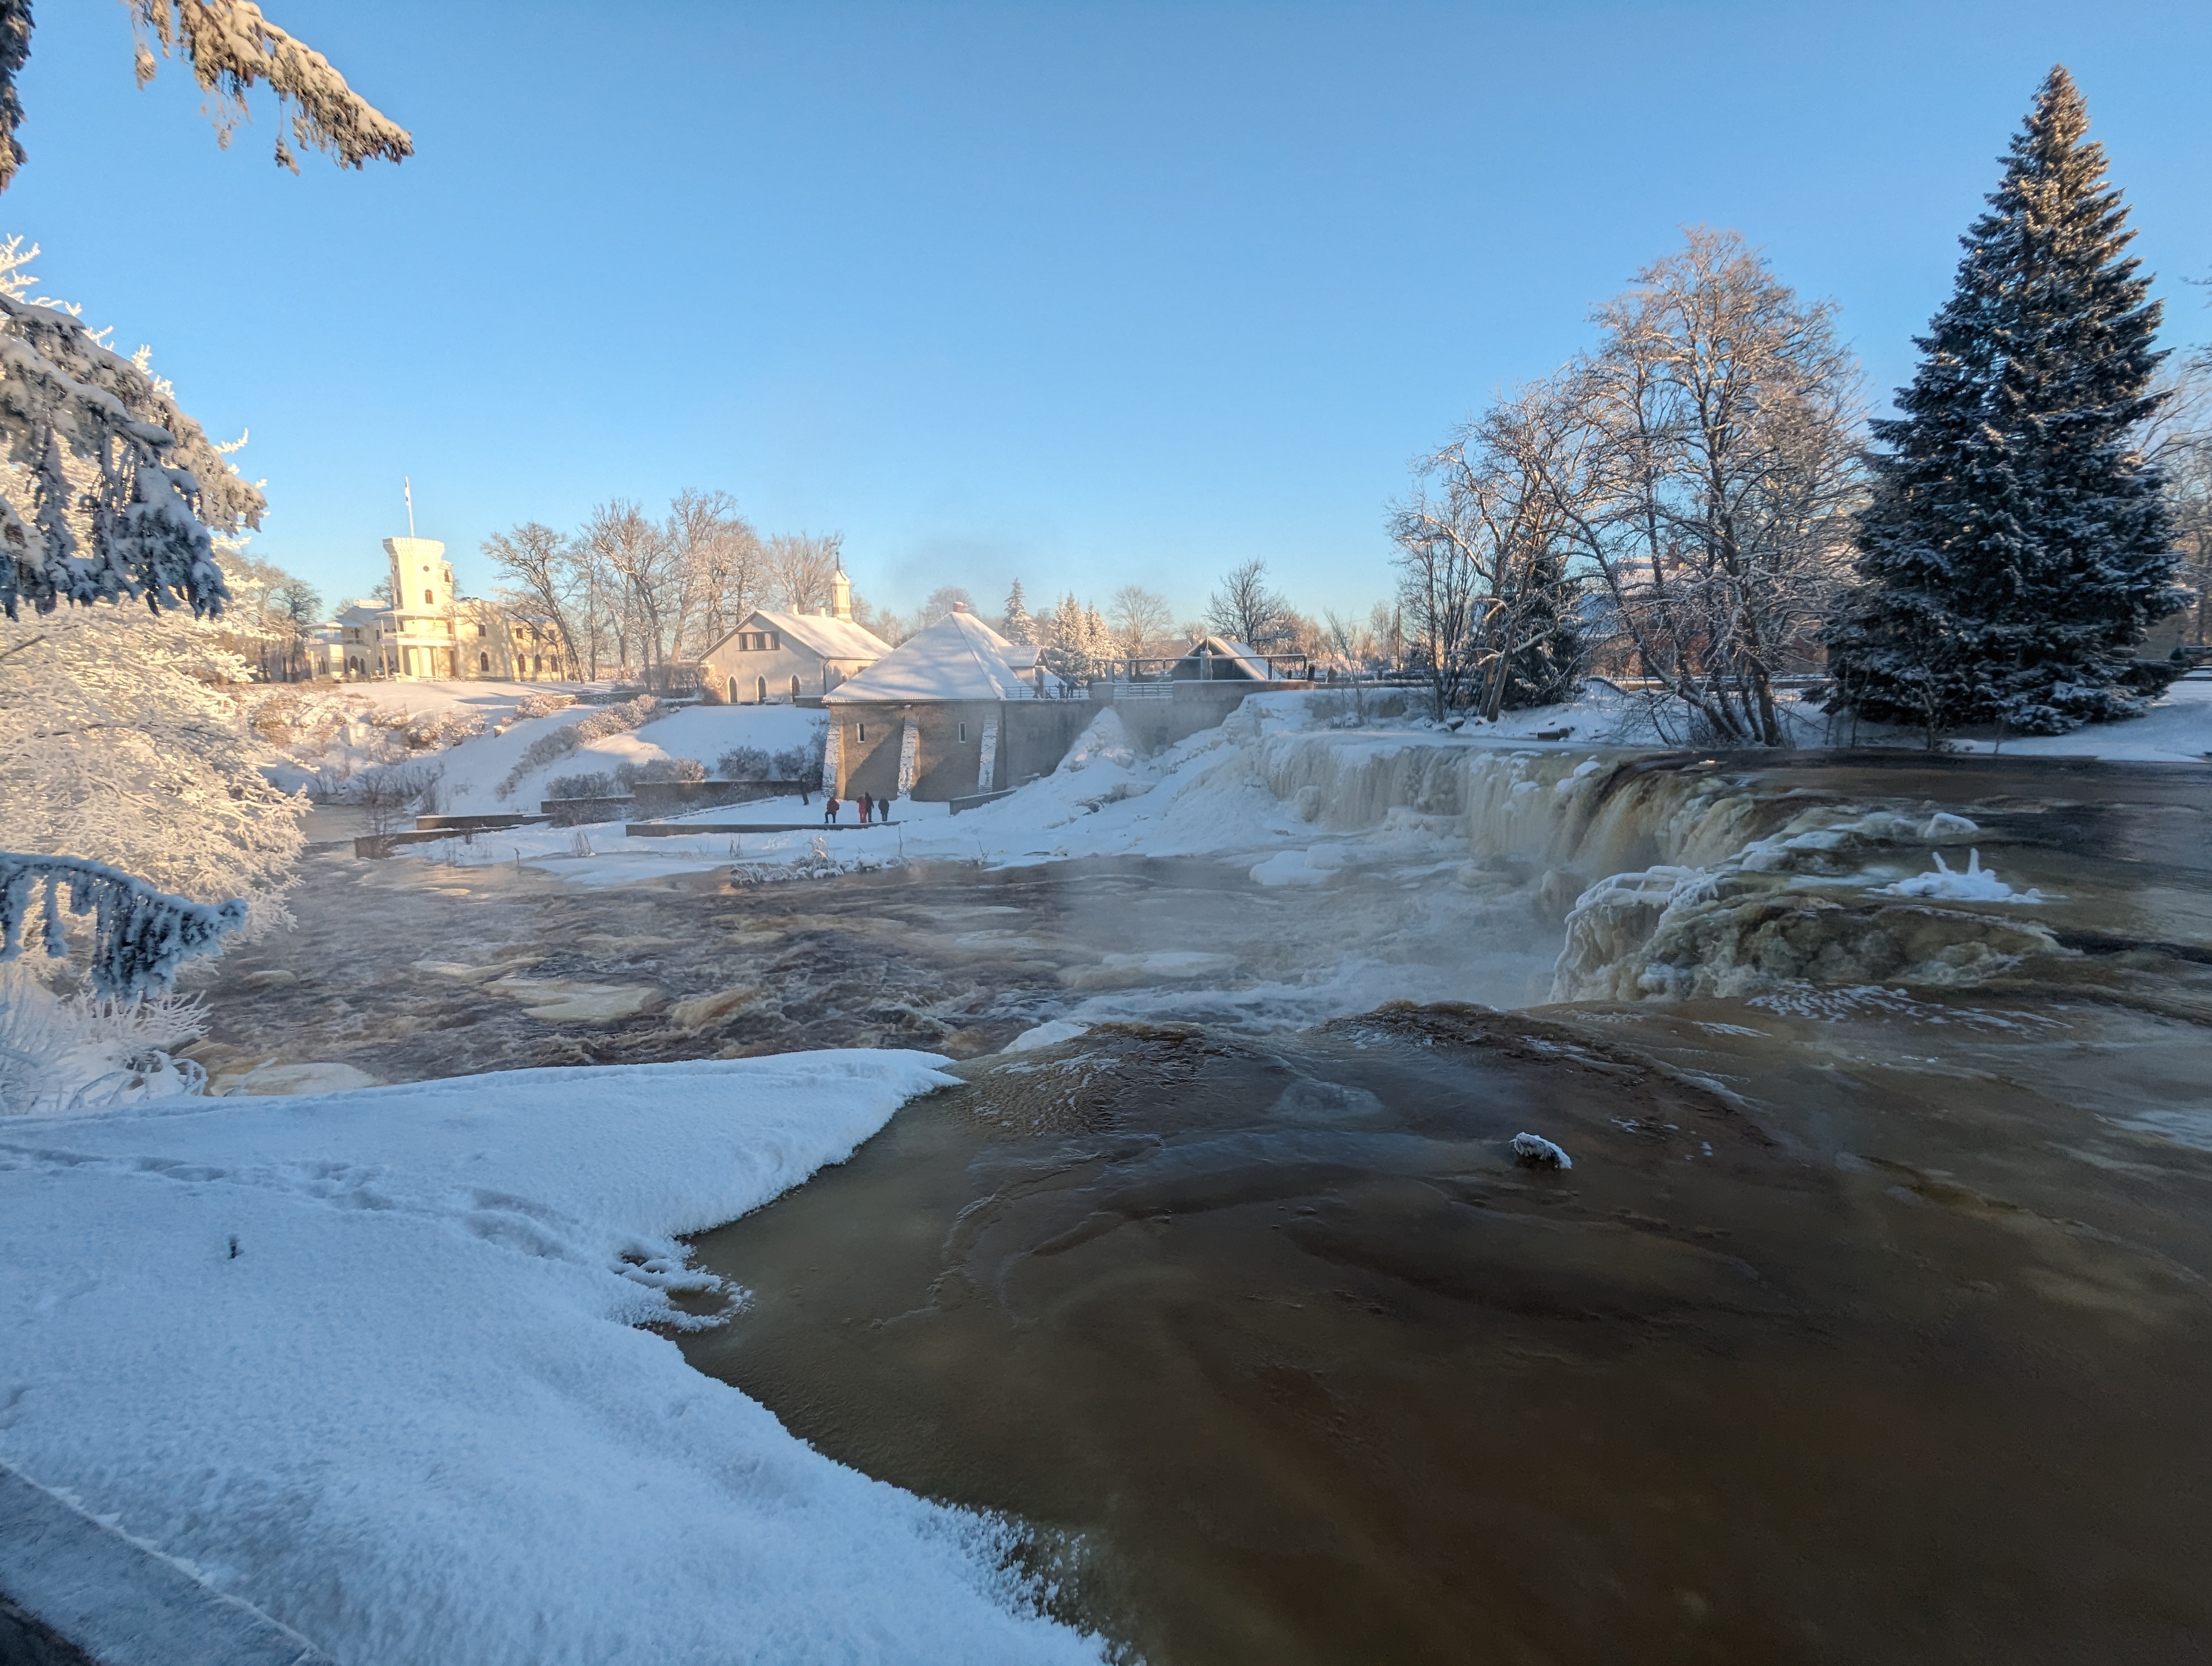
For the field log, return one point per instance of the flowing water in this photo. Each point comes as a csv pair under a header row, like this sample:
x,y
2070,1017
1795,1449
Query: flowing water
x,y
1870,1321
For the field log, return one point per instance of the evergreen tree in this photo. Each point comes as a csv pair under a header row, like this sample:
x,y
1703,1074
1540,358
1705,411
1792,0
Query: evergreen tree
x,y
1544,624
1016,626
2017,543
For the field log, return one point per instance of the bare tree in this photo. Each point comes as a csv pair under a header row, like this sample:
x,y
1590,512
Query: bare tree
x,y
1441,596
293,607
946,598
799,567
1709,471
1140,621
1248,609
546,572
721,565
634,550
1485,495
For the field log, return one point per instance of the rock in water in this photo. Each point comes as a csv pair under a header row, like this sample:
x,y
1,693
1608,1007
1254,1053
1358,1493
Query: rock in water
x,y
1533,1151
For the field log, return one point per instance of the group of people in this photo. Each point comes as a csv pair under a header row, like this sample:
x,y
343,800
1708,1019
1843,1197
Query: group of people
x,y
877,809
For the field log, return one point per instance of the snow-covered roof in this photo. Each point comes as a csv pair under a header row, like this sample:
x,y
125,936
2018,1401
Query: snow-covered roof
x,y
367,611
829,638
1247,660
959,658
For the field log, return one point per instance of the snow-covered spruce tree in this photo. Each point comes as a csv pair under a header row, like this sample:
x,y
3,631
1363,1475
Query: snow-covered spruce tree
x,y
1017,625
231,48
2018,543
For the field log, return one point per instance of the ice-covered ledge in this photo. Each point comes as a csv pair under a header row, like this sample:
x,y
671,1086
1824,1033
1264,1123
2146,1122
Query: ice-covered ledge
x,y
74,1592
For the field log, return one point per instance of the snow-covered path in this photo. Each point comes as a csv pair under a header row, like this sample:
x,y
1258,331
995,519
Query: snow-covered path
x,y
370,1362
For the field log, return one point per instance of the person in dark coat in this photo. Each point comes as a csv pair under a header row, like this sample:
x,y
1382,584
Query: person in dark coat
x,y
828,813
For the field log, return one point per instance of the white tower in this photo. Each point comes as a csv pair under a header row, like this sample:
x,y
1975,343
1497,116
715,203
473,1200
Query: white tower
x,y
425,642
840,595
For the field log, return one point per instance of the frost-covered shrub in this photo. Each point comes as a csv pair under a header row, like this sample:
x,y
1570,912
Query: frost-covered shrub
x,y
743,763
550,748
540,705
433,731
592,784
804,763
64,1053
660,770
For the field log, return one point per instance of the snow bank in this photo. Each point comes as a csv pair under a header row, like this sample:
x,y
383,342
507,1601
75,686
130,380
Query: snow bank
x,y
369,1362
474,771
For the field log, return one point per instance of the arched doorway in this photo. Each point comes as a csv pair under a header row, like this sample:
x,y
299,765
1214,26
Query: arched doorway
x,y
484,664
794,689
760,690
733,690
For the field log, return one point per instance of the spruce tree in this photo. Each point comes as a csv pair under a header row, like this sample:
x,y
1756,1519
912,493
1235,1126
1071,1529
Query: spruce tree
x,y
1017,625
2017,543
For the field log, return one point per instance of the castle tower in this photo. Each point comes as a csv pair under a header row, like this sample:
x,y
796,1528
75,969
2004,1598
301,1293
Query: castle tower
x,y
424,642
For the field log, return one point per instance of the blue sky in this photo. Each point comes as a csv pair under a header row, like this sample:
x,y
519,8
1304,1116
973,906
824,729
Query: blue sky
x,y
1091,293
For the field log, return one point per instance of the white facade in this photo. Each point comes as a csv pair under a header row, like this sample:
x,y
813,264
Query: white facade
x,y
775,658
423,640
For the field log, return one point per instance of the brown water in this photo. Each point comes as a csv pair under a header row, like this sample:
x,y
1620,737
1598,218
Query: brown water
x,y
1898,1351
1870,1325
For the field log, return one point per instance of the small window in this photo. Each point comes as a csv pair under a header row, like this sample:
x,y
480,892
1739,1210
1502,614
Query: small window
x,y
483,662
428,599
864,734
964,734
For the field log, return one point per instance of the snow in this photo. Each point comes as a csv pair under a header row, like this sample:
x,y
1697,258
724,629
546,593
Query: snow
x,y
1972,884
830,637
1533,1150
371,1361
472,772
1047,1035
2177,729
959,658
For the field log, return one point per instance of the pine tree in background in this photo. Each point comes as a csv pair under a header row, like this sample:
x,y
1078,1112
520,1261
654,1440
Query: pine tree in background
x,y
2017,545
1542,622
1016,626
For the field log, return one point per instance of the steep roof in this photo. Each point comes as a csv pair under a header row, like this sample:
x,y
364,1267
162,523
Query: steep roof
x,y
959,658
828,638
1247,660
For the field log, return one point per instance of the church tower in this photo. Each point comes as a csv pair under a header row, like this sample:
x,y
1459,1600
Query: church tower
x,y
840,595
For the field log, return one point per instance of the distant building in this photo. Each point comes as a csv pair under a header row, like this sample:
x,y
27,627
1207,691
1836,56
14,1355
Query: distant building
x,y
953,710
509,645
361,645
775,658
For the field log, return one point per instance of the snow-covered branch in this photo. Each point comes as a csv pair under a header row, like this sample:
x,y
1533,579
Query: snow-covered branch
x,y
141,936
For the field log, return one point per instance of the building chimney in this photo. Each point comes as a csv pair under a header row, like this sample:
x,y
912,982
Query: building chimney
x,y
959,607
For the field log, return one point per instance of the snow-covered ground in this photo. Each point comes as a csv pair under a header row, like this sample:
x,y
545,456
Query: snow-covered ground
x,y
2176,730
473,774
327,734
1212,795
371,1362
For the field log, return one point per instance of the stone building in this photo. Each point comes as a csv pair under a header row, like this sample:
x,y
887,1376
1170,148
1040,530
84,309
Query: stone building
x,y
954,710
